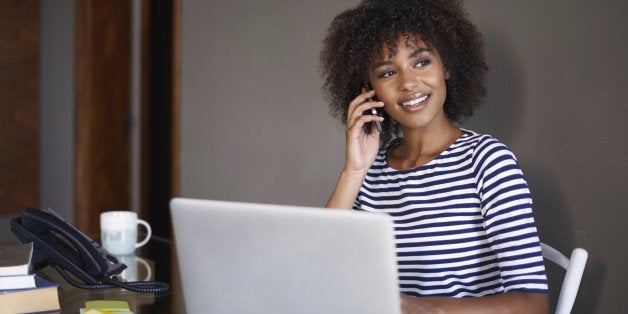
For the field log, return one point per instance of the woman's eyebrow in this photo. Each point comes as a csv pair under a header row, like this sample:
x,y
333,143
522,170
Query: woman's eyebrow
x,y
381,63
418,51
389,62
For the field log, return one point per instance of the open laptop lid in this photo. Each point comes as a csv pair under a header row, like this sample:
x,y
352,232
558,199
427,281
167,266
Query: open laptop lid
x,y
260,258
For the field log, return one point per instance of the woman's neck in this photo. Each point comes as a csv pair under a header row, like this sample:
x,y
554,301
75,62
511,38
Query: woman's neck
x,y
421,146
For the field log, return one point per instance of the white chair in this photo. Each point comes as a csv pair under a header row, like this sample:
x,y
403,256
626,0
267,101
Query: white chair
x,y
571,283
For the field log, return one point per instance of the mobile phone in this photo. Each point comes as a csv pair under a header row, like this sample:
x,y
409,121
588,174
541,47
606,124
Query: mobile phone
x,y
367,127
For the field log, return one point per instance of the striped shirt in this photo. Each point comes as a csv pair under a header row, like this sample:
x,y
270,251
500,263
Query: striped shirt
x,y
463,222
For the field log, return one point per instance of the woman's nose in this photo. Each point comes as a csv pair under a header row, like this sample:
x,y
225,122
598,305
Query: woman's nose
x,y
409,81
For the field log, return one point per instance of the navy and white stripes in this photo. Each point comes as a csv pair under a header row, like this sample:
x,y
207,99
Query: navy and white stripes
x,y
463,222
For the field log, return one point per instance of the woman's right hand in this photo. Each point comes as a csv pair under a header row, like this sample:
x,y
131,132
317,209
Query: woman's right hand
x,y
362,148
361,151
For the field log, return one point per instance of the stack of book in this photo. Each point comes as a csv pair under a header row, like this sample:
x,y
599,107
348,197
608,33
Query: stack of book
x,y
21,291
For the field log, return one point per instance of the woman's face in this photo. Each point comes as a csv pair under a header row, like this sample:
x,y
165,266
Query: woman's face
x,y
411,83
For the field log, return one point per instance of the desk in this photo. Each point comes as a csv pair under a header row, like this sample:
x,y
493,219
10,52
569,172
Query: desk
x,y
72,298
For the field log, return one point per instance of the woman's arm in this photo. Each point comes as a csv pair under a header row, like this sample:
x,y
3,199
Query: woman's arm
x,y
346,190
360,154
510,302
506,208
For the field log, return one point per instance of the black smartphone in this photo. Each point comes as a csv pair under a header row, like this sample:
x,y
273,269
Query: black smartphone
x,y
367,127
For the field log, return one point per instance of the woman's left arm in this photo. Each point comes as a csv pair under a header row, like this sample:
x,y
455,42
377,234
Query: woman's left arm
x,y
510,302
507,210
509,223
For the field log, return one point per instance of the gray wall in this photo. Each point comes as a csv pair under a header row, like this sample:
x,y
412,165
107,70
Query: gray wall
x,y
56,110
557,98
255,128
57,101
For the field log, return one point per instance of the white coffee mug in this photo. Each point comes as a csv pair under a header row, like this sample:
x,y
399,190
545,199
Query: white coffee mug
x,y
118,232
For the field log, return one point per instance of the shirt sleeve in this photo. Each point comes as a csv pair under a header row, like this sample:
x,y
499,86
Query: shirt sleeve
x,y
507,210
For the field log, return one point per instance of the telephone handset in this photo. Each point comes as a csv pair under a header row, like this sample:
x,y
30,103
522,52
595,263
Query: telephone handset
x,y
367,127
65,248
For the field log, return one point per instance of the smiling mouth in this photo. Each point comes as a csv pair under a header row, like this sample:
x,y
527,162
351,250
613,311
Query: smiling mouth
x,y
415,102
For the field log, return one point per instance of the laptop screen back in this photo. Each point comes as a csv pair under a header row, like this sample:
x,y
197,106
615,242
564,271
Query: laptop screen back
x,y
260,258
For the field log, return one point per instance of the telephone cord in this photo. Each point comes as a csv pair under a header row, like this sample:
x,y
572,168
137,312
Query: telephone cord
x,y
156,287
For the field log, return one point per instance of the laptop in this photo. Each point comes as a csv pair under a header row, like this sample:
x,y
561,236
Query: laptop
x,y
261,258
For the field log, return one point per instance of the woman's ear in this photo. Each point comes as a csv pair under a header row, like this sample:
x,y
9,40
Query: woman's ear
x,y
447,74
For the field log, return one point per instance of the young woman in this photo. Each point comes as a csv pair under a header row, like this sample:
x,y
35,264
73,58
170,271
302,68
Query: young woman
x,y
465,234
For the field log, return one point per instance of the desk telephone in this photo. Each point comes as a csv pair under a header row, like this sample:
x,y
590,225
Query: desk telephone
x,y
67,249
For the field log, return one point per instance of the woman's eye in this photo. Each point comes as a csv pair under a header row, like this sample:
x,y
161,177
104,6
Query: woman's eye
x,y
388,73
422,63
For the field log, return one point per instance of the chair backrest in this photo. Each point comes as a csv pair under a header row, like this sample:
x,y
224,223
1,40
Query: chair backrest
x,y
575,267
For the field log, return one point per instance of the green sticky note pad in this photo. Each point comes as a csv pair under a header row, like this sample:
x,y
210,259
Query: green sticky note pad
x,y
108,305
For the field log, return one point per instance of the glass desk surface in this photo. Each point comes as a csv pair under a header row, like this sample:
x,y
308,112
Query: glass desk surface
x,y
72,299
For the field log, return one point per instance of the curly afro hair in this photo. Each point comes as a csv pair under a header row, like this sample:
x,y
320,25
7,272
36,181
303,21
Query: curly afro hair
x,y
357,35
